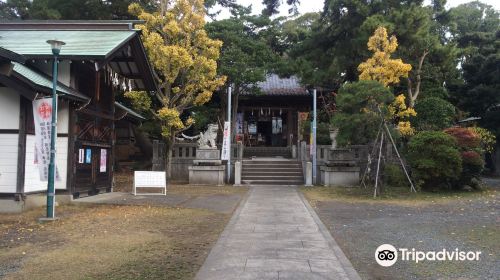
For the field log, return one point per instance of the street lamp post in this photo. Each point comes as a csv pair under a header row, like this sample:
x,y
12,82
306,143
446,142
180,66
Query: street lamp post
x,y
229,108
56,49
313,144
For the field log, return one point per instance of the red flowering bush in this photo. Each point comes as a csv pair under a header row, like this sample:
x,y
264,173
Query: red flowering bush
x,y
471,157
466,137
469,142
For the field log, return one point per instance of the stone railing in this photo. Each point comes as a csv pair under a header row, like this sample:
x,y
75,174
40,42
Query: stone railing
x,y
322,151
183,155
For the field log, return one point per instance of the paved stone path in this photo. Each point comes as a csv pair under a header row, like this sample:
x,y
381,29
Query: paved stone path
x,y
275,234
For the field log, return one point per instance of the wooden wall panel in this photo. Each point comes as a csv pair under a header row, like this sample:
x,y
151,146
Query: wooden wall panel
x,y
8,162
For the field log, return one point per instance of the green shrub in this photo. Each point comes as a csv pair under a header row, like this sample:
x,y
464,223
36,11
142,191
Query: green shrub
x,y
435,159
394,175
433,113
322,132
473,164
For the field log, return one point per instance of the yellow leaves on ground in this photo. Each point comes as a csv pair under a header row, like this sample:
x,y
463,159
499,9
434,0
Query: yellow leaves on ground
x,y
380,67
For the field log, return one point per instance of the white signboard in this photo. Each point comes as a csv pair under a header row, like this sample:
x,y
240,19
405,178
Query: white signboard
x,y
103,161
150,179
226,141
42,115
81,155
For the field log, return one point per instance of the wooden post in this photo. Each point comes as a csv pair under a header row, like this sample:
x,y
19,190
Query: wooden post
x,y
378,164
289,128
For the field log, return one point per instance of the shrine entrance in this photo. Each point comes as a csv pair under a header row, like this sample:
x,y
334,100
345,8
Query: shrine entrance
x,y
267,121
267,127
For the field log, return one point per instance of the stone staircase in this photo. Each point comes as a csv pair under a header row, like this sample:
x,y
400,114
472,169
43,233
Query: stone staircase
x,y
272,171
285,152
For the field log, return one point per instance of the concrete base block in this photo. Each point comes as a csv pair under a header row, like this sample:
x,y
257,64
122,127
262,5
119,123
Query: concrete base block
x,y
207,154
206,175
11,206
31,201
339,176
47,220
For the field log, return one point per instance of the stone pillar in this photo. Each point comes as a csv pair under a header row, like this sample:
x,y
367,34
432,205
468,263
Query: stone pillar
x,y
294,151
303,150
237,173
309,176
289,129
240,150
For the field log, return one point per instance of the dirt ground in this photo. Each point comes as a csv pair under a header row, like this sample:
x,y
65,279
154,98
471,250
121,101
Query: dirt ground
x,y
424,221
109,241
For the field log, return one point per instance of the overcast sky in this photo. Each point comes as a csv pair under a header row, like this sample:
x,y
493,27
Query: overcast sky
x,y
317,5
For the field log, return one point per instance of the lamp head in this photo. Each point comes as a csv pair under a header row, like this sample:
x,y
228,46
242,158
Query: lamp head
x,y
56,46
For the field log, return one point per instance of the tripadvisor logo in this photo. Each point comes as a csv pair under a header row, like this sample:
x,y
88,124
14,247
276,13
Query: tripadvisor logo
x,y
387,255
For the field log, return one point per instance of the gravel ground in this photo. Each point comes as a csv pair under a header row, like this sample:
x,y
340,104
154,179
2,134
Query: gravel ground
x,y
491,181
469,223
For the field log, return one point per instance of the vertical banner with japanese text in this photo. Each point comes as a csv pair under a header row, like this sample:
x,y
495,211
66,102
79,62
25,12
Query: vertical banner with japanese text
x,y
42,115
226,141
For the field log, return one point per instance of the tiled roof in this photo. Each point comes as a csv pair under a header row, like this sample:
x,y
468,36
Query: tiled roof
x,y
10,56
88,43
129,111
45,82
276,86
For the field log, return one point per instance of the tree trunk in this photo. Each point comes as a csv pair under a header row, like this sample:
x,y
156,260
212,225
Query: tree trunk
x,y
413,93
234,112
169,144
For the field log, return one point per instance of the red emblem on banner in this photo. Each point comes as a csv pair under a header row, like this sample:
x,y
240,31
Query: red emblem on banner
x,y
45,110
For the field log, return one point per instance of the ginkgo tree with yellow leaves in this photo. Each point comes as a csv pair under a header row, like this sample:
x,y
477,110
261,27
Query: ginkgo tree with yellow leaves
x,y
381,67
388,71
184,61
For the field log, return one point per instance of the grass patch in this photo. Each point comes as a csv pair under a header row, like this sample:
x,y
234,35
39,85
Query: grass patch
x,y
108,242
400,196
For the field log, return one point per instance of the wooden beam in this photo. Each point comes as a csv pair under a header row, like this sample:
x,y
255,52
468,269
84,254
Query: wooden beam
x,y
18,86
21,147
96,114
71,164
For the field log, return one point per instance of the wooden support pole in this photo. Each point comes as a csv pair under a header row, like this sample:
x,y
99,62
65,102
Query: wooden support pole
x,y
412,188
378,164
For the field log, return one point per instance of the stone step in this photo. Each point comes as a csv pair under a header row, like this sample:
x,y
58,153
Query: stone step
x,y
287,161
272,172
271,164
275,170
267,152
273,182
277,177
